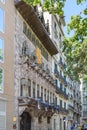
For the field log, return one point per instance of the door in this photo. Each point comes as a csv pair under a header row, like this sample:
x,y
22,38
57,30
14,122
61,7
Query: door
x,y
25,122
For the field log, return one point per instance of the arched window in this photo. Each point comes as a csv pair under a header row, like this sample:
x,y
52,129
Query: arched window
x,y
23,88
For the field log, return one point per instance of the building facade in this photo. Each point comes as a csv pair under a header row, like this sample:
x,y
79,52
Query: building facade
x,y
35,93
84,100
6,64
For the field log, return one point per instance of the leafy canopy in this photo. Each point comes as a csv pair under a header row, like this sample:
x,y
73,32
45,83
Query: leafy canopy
x,y
75,47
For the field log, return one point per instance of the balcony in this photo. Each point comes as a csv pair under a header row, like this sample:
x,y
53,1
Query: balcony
x,y
70,118
34,21
38,68
63,110
38,106
71,107
58,75
61,64
61,92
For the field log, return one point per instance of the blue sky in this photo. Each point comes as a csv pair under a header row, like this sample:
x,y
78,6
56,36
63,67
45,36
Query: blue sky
x,y
71,8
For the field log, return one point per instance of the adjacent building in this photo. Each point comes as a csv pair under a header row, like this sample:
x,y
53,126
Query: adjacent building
x,y
6,64
35,93
84,100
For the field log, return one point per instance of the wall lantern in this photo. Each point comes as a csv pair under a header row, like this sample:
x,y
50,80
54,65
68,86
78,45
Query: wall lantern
x,y
14,122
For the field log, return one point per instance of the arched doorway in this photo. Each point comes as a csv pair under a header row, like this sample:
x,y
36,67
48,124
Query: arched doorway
x,y
25,122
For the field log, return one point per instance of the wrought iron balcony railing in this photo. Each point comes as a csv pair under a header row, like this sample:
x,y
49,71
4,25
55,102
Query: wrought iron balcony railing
x,y
61,92
58,75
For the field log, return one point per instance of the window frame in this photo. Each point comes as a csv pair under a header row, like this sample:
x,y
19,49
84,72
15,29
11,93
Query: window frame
x,y
3,30
2,61
2,91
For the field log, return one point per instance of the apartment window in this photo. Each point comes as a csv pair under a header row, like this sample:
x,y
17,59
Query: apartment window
x,y
1,49
24,88
55,66
29,87
45,95
38,91
65,90
60,103
53,98
61,86
42,93
48,96
33,85
55,25
48,120
1,20
2,115
65,105
1,80
56,83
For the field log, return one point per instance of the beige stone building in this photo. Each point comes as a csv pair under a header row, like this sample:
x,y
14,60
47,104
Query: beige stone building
x,y
34,91
6,64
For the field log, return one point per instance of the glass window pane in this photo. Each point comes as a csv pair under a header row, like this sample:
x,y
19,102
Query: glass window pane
x,y
3,1
1,50
1,80
1,20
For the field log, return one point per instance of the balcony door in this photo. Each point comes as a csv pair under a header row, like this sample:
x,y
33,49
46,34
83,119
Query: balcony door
x,y
25,122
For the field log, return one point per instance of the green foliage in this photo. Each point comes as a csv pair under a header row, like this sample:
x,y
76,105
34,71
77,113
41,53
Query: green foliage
x,y
75,47
53,6
1,54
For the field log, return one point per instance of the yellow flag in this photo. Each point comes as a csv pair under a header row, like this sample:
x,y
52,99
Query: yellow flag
x,y
38,54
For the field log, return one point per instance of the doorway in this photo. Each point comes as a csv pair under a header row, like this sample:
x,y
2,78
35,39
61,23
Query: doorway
x,y
25,122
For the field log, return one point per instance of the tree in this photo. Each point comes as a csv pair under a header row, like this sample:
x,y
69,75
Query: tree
x,y
75,47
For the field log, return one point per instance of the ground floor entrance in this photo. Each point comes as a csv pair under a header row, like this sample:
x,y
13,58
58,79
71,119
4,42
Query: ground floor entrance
x,y
25,122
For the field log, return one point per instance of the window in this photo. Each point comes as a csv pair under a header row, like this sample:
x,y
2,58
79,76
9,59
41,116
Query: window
x,y
65,90
1,20
38,91
1,80
55,25
48,96
24,88
42,93
61,86
1,49
56,83
29,87
3,1
65,105
60,103
33,85
45,95
53,98
48,120
55,66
